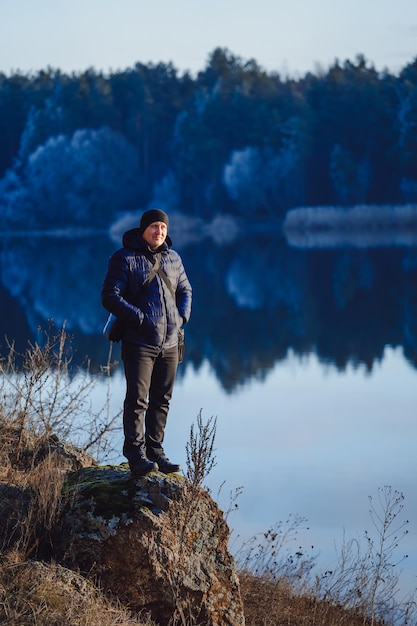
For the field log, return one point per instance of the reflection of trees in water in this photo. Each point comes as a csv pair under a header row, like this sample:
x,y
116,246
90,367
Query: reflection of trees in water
x,y
363,295
254,300
257,299
59,280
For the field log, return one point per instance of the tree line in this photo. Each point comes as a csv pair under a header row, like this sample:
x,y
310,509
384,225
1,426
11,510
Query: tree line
x,y
80,148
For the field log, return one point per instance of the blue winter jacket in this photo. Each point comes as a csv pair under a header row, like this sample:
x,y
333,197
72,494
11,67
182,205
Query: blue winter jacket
x,y
150,314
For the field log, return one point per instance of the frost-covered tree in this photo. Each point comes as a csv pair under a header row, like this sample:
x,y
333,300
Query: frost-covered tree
x,y
14,202
41,124
166,194
243,179
264,182
82,180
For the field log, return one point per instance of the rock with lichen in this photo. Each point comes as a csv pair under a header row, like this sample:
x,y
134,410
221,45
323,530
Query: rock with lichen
x,y
157,542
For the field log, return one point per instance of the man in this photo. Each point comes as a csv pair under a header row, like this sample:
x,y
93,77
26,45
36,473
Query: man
x,y
146,287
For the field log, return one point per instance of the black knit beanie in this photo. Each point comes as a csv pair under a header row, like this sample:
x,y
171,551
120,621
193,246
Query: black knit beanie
x,y
151,216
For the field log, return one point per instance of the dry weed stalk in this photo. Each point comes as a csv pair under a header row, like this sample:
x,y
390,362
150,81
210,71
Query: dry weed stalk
x,y
368,581
270,555
41,394
200,450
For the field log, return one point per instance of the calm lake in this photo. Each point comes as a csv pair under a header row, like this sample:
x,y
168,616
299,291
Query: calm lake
x,y
305,351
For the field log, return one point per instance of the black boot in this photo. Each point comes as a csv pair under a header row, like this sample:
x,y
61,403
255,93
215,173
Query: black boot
x,y
165,465
142,465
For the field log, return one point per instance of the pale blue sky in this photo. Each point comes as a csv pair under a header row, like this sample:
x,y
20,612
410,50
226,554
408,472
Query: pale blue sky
x,y
282,35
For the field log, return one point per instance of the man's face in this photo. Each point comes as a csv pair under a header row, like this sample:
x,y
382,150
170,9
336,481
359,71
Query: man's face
x,y
155,234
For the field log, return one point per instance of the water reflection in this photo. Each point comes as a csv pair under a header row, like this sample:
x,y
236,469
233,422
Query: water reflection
x,y
255,299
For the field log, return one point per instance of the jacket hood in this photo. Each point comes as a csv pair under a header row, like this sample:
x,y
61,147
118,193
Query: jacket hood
x,y
133,239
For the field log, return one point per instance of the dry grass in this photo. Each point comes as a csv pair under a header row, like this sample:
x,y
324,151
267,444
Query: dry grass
x,y
270,602
38,594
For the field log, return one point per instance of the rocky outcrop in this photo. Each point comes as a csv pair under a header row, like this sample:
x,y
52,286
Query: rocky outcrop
x,y
156,542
